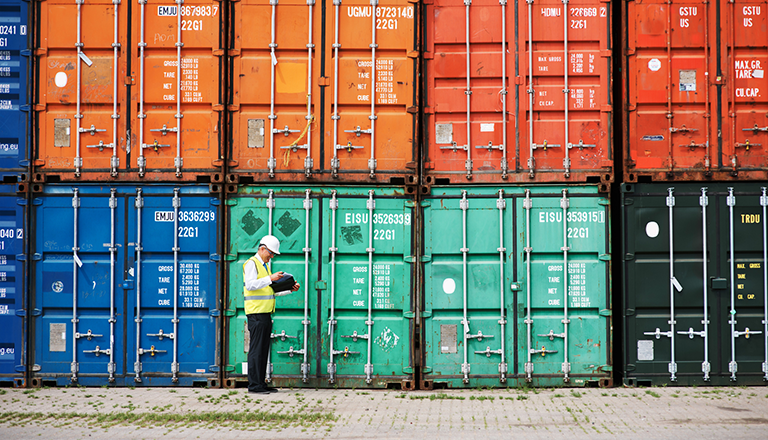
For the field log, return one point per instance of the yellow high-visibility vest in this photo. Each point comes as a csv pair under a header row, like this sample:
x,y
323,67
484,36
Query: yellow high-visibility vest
x,y
262,300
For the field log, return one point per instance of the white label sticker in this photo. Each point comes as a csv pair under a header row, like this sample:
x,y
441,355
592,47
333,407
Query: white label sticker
x,y
652,229
486,127
757,74
245,368
166,11
449,286
644,350
60,79
654,64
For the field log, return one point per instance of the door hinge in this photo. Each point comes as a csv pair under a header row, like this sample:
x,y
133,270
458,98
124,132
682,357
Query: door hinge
x,y
606,312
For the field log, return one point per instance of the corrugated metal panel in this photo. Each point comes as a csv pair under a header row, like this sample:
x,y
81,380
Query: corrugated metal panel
x,y
540,114
145,313
495,308
13,283
159,121
326,237
694,284
303,109
696,111
14,90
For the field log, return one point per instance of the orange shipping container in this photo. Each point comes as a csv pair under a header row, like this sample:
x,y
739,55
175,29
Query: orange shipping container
x,y
148,108
521,95
343,111
696,90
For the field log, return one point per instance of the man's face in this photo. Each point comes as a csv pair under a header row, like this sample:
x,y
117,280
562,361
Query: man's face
x,y
265,254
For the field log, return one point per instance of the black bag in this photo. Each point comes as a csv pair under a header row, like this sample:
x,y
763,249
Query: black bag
x,y
286,282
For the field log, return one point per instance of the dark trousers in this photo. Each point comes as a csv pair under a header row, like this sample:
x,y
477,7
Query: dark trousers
x,y
260,328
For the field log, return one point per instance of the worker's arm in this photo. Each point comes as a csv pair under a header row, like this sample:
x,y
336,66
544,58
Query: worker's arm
x,y
250,277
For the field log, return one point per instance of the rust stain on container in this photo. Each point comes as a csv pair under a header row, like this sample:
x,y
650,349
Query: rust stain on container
x,y
160,121
695,112
552,123
280,130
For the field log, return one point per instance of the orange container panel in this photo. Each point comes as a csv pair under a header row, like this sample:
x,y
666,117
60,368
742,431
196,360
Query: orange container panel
x,y
157,121
542,114
344,112
695,111
177,112
82,102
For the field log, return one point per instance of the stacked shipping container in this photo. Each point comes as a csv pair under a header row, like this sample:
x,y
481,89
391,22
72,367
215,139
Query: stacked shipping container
x,y
15,62
385,145
695,125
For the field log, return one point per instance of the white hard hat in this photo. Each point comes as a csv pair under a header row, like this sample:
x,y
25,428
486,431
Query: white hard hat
x,y
272,243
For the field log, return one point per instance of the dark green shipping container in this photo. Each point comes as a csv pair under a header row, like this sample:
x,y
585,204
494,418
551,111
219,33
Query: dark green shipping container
x,y
351,324
495,308
694,292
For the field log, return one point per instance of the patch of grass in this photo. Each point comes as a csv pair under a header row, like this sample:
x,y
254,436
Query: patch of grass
x,y
522,397
575,393
652,393
400,396
559,395
238,421
443,396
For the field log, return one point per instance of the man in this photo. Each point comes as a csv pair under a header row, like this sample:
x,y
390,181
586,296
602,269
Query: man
x,y
259,305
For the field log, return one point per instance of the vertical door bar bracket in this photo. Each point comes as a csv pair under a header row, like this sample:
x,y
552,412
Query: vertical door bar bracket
x,y
527,205
464,204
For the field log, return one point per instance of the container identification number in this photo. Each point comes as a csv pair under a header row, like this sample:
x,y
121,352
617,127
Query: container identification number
x,y
378,219
584,12
188,11
386,16
185,216
573,217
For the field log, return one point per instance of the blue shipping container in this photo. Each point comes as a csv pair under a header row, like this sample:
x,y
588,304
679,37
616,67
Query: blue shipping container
x,y
14,89
12,286
144,262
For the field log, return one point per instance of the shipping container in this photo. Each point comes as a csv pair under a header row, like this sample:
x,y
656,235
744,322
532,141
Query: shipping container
x,y
695,91
129,92
13,287
327,92
351,250
694,287
518,92
126,286
495,309
15,59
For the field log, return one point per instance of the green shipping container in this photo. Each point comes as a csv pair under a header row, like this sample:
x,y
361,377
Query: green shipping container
x,y
694,292
495,307
351,323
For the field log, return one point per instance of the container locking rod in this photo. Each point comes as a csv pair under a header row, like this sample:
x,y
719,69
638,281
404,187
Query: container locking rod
x,y
334,205
527,205
565,204
764,204
139,203
112,252
307,250
673,284
501,204
270,207
371,206
75,263
733,366
705,365
176,206
464,204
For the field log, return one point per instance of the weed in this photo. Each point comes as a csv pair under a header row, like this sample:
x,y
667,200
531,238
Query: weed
x,y
575,393
559,395
402,396
652,393
522,397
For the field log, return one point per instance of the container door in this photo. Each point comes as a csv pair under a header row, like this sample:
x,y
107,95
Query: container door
x,y
290,216
747,93
373,75
369,274
276,90
469,240
14,87
666,243
12,286
564,338
178,85
742,323
172,312
467,87
566,99
78,237
82,100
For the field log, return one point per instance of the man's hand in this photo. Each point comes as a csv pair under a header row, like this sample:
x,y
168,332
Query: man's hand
x,y
276,276
295,287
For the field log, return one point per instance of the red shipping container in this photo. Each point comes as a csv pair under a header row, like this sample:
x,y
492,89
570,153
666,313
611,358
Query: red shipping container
x,y
541,113
300,110
696,111
159,120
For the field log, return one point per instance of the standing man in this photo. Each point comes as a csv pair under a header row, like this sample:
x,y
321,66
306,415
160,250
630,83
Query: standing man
x,y
259,305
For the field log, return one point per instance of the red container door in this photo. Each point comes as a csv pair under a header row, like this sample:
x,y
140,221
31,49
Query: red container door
x,y
746,121
81,104
468,90
670,93
275,111
178,85
567,128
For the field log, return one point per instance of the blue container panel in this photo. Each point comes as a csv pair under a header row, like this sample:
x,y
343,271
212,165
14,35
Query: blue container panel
x,y
145,286
14,79
59,276
12,282
195,277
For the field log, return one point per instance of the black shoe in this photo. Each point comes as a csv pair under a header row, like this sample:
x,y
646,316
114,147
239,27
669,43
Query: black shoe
x,y
259,391
272,390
